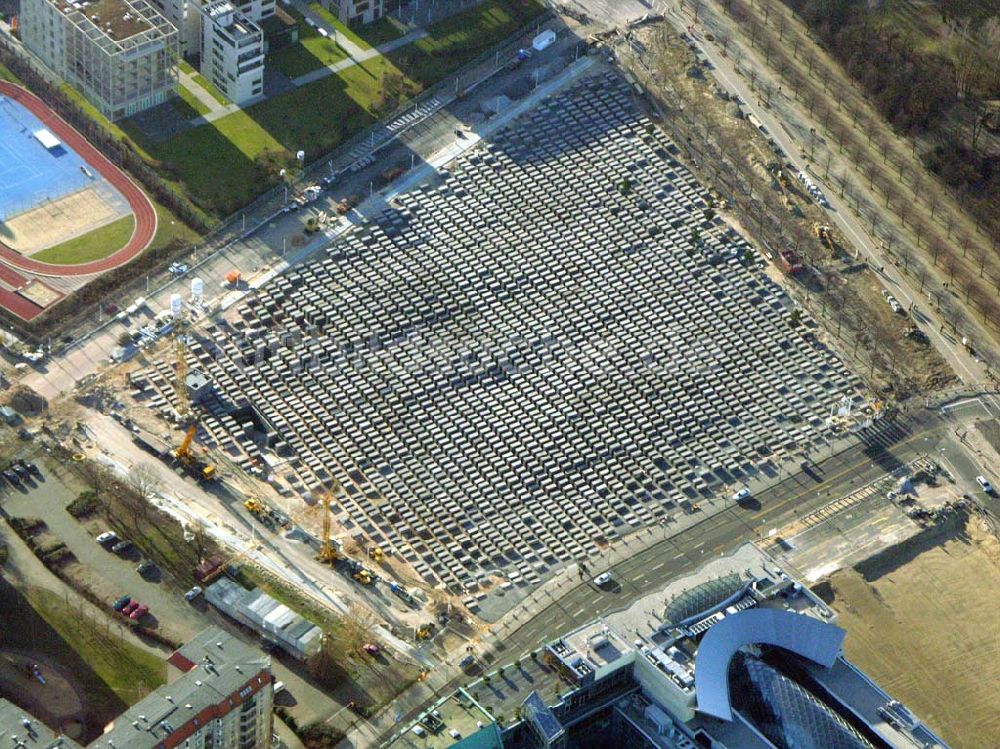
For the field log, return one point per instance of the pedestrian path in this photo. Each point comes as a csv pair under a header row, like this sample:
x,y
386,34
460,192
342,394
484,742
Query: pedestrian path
x,y
215,107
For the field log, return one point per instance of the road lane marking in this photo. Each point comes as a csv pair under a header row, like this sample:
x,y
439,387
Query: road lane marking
x,y
661,564
679,555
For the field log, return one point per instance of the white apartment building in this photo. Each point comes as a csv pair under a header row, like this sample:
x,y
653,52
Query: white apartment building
x,y
184,15
120,54
357,11
232,51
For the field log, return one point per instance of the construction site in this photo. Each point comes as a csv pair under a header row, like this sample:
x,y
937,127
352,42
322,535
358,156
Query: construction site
x,y
446,418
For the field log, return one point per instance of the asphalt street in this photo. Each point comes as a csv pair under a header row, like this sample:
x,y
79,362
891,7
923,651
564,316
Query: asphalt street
x,y
800,493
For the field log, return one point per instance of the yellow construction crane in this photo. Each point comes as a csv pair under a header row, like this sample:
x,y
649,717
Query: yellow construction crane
x,y
327,551
196,467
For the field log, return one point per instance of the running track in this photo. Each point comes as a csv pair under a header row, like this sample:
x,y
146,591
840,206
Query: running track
x,y
142,209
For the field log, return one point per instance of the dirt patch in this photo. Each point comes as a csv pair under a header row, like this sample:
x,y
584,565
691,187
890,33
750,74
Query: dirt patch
x,y
921,619
755,189
74,699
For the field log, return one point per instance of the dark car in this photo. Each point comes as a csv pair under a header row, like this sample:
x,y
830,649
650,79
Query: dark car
x,y
12,477
145,567
20,470
121,603
121,547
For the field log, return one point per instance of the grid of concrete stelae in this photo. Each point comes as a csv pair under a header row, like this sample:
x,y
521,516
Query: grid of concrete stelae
x,y
530,358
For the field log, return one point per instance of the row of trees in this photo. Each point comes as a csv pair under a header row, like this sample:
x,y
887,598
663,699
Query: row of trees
x,y
936,91
722,159
973,277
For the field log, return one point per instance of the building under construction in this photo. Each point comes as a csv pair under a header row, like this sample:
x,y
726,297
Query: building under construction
x,y
120,54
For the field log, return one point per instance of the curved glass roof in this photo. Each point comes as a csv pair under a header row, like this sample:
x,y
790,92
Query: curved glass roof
x,y
800,634
786,713
703,597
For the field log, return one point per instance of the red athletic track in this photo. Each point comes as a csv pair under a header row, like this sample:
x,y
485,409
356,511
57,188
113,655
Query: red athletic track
x,y
142,209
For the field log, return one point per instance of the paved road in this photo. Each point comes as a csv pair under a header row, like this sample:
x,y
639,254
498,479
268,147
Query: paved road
x,y
878,452
798,494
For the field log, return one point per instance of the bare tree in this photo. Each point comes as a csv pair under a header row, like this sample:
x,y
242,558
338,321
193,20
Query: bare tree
x,y
144,480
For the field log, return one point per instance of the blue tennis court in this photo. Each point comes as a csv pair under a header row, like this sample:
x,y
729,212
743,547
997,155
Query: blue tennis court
x,y
32,172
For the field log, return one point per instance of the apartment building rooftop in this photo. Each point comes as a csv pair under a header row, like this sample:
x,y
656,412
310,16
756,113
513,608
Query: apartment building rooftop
x,y
217,668
20,729
116,21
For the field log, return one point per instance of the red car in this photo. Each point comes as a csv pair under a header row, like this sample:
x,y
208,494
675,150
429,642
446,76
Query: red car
x,y
140,611
371,648
131,606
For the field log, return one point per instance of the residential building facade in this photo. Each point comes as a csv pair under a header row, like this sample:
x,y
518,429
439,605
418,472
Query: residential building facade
x,y
221,700
357,12
232,51
121,55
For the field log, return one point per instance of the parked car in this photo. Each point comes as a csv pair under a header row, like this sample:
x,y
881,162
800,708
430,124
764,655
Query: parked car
x,y
193,593
603,579
984,484
121,603
12,477
107,537
22,472
138,612
122,546
742,494
145,566
371,648
29,466
129,607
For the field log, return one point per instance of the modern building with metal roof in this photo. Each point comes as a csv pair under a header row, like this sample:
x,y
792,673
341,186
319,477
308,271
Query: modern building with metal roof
x,y
273,620
742,657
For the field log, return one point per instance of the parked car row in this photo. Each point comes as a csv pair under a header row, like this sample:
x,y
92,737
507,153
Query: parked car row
x,y
110,540
130,608
20,471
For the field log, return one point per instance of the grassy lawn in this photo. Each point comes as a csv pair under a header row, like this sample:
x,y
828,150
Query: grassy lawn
x,y
219,162
169,228
332,21
91,111
227,163
309,54
6,75
458,40
189,105
384,30
90,246
128,670
186,66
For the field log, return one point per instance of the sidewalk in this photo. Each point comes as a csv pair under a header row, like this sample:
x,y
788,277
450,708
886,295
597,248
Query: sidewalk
x,y
214,106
